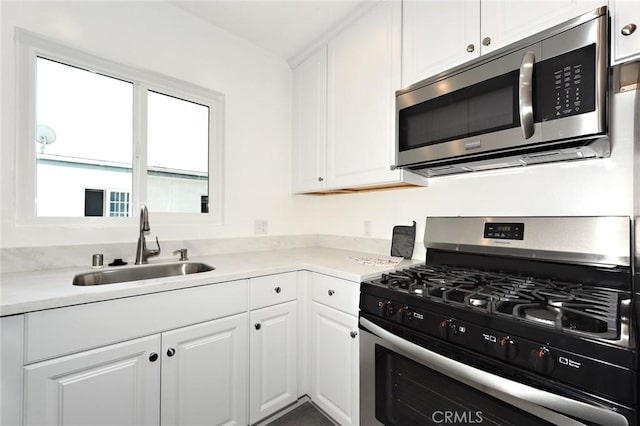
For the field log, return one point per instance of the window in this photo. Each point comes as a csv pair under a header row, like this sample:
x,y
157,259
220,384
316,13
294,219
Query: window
x,y
119,204
98,125
93,202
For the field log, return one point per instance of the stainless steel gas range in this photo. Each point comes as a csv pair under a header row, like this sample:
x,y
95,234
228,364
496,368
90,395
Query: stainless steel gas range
x,y
510,321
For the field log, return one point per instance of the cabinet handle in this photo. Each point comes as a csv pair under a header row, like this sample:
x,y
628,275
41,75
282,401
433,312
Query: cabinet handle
x,y
320,179
257,326
171,352
353,334
628,29
277,289
471,48
331,292
153,357
486,41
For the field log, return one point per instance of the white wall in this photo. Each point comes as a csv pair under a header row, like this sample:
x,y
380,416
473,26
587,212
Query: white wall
x,y
257,86
593,187
159,37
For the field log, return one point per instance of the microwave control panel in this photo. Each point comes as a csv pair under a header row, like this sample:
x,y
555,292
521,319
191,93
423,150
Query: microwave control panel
x,y
565,84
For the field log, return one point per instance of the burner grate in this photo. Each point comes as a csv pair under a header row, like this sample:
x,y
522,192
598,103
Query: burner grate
x,y
566,306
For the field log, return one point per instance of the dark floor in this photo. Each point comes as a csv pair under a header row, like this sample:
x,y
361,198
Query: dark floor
x,y
306,415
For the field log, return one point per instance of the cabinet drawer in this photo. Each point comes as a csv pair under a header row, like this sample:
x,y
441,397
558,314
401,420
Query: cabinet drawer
x,y
335,292
272,289
75,328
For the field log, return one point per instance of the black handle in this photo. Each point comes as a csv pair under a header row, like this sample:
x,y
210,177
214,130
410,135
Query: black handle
x,y
277,289
171,352
153,357
257,326
331,292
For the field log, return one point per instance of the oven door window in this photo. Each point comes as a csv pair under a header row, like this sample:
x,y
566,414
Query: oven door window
x,y
408,393
489,106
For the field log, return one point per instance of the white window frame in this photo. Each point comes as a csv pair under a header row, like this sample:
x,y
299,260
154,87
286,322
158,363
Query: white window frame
x,y
29,47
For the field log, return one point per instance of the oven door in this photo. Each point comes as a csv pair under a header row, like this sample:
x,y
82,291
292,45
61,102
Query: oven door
x,y
402,383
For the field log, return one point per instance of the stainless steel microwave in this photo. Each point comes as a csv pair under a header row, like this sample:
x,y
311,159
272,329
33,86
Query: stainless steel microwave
x,y
543,99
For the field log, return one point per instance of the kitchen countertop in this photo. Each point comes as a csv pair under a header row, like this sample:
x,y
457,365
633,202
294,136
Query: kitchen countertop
x,y
22,292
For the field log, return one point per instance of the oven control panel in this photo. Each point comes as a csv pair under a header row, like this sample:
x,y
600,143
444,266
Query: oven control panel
x,y
504,231
539,358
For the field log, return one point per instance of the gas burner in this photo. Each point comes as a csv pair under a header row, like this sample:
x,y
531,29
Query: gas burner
x,y
479,300
541,316
417,290
542,301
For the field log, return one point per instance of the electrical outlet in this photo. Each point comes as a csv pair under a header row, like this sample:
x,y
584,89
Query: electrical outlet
x,y
367,228
260,227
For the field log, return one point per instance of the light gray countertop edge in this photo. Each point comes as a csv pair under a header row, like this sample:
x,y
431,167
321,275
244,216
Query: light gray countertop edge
x,y
22,292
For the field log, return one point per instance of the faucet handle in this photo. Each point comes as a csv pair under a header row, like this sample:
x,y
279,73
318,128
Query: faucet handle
x,y
156,252
183,254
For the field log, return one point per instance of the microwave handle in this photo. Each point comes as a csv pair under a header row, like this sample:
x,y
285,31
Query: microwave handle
x,y
525,94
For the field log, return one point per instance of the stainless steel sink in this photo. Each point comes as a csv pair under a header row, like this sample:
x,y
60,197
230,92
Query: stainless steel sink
x,y
137,273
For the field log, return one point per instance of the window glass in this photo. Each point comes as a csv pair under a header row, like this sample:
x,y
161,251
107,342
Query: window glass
x,y
177,154
96,140
119,204
84,136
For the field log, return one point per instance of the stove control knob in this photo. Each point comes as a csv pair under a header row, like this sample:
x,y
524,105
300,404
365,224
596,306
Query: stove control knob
x,y
390,309
448,329
507,348
542,360
385,309
403,315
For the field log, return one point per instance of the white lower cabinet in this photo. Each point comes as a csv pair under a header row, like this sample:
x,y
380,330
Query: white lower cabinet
x,y
335,363
114,385
273,359
224,354
204,373
193,375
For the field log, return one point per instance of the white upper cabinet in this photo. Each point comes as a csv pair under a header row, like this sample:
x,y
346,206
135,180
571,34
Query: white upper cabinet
x,y
344,107
310,123
363,74
625,30
437,35
506,21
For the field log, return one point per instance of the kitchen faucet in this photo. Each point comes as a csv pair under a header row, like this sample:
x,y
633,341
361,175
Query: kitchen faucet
x,y
142,253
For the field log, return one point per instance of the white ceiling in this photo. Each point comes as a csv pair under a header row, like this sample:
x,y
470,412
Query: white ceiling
x,y
284,27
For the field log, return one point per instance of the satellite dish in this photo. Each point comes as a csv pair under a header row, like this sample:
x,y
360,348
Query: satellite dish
x,y
45,135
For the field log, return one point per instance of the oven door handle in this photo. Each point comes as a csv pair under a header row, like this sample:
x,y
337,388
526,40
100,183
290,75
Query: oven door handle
x,y
525,94
483,379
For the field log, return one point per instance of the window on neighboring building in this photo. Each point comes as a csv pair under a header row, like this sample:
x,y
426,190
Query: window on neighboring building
x,y
119,204
93,202
97,124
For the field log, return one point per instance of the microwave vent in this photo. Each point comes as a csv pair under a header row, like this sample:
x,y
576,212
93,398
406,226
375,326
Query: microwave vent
x,y
595,148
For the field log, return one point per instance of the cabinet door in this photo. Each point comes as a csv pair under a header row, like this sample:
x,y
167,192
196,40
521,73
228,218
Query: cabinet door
x,y
506,21
310,123
335,363
625,30
113,385
204,377
364,72
438,35
273,360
